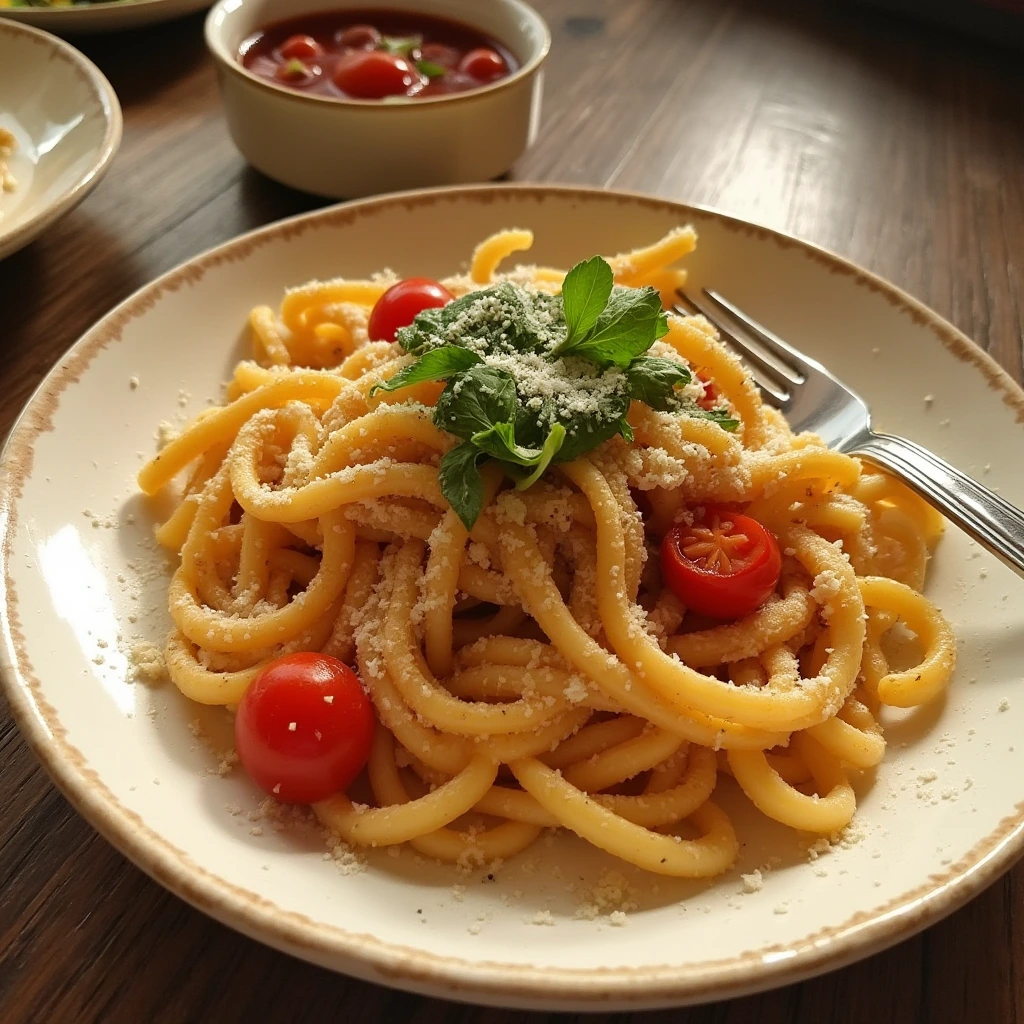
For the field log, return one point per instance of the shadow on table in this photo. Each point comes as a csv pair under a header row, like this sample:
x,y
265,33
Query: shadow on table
x,y
269,200
919,56
63,282
266,200
141,62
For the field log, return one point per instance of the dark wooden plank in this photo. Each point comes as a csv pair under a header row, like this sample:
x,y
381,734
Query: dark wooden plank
x,y
898,146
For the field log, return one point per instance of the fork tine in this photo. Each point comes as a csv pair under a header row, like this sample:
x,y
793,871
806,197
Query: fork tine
x,y
777,399
775,383
772,343
771,389
764,358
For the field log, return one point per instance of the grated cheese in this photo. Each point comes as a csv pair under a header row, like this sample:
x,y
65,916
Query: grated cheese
x,y
752,882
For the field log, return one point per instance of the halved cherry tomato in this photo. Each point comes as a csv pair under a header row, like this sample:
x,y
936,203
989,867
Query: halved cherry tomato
x,y
484,64
359,37
300,48
374,74
304,728
398,306
712,396
725,566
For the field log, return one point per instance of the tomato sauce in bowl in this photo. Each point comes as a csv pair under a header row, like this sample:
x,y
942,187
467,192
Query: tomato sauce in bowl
x,y
376,55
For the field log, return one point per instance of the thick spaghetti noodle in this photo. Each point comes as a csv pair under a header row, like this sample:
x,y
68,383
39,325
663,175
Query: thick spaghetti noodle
x,y
534,671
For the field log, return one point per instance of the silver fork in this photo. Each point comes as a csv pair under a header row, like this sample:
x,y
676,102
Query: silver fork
x,y
812,399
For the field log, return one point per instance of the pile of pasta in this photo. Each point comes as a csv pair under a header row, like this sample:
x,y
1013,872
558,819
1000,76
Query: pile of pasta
x,y
534,672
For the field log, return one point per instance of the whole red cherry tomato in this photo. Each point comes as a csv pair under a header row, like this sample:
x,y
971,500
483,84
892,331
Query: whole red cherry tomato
x,y
440,54
484,64
374,74
300,48
304,728
724,566
359,37
398,306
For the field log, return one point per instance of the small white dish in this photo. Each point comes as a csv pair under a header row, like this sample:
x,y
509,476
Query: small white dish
x,y
87,19
66,120
81,580
351,148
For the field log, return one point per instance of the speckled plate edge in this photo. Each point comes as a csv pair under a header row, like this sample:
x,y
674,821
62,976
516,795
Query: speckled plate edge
x,y
112,16
365,956
27,231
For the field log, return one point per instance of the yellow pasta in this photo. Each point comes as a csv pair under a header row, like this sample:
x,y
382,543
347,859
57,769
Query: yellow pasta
x,y
531,669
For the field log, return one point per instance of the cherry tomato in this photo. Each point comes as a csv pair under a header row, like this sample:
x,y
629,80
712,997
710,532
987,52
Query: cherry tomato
x,y
300,48
359,37
483,64
304,728
398,306
724,566
297,72
374,74
712,396
438,53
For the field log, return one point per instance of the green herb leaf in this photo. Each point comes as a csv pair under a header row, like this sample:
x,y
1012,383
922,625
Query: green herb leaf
x,y
626,328
585,294
399,45
556,438
722,417
534,379
653,381
461,482
502,318
437,364
430,69
294,68
415,338
475,401
582,433
499,440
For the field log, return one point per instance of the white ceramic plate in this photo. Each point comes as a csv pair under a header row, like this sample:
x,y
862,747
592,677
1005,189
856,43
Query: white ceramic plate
x,y
85,19
67,122
943,818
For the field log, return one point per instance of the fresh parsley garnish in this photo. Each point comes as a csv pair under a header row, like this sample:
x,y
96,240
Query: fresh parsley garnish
x,y
653,381
461,482
533,379
585,293
401,46
608,325
722,417
437,364
430,69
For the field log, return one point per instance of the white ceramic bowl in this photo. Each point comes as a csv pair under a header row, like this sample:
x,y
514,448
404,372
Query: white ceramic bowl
x,y
351,148
67,122
86,19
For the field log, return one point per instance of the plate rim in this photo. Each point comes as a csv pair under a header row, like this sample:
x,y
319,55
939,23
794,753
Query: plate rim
x,y
29,230
365,956
55,13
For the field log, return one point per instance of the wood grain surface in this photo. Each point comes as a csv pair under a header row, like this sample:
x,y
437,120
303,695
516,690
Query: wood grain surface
x,y
898,146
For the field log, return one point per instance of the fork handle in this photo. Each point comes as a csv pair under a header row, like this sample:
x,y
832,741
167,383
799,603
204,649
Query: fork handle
x,y
991,520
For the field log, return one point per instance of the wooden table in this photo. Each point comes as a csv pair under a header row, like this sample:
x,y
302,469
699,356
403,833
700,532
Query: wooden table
x,y
899,147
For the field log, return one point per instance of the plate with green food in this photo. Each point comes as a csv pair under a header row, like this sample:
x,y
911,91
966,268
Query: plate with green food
x,y
87,16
